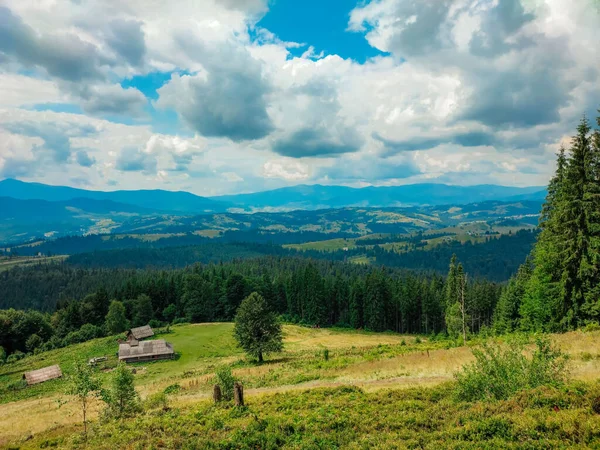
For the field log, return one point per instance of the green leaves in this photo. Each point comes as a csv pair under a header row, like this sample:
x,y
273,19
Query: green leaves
x,y
257,329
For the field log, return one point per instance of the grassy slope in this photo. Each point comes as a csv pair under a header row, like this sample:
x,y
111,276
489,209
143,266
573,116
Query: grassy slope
x,y
372,362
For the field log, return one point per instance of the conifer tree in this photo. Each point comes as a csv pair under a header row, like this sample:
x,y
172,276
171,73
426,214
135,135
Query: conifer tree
x,y
563,290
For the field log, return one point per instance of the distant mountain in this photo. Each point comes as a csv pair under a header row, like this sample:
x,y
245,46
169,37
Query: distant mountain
x,y
21,220
155,200
322,197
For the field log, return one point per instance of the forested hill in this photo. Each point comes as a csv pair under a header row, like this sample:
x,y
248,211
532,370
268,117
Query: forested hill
x,y
314,292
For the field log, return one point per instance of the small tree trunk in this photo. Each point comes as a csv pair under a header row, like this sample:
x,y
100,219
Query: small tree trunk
x,y
217,395
84,416
238,394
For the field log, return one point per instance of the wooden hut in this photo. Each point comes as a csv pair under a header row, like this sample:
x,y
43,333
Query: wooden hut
x,y
145,351
41,375
140,333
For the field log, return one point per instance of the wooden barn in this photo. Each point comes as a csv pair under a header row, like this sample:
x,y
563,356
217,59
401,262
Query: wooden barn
x,y
41,375
140,333
135,351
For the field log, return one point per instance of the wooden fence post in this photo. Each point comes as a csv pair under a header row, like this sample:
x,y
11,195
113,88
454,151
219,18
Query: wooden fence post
x,y
217,395
238,394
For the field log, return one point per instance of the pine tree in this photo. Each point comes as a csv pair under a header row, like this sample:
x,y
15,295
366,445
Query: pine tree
x,y
506,314
143,310
563,290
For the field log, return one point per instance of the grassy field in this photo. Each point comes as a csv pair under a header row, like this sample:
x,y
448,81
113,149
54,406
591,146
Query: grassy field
x,y
383,389
8,263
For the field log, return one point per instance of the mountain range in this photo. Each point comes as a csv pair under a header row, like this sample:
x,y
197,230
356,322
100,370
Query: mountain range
x,y
283,199
33,210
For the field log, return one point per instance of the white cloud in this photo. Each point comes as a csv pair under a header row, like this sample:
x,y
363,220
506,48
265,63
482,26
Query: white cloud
x,y
286,169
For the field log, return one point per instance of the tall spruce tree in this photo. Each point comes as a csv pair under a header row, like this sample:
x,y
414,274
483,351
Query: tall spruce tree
x,y
563,290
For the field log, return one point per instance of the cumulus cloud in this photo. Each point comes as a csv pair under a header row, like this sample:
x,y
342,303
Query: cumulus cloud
x,y
133,159
126,37
64,55
112,100
227,99
84,159
289,170
515,69
465,139
320,142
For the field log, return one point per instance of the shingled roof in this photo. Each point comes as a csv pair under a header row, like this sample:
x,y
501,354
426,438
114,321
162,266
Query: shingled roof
x,y
145,350
41,375
141,332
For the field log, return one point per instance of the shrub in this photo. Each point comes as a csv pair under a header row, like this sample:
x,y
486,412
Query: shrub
x,y
403,343
418,340
225,380
16,356
172,389
33,342
122,398
2,355
157,400
155,323
326,354
591,326
501,371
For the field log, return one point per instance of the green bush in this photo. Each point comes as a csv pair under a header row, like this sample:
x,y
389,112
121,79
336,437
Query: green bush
x,y
33,342
501,371
16,356
591,326
326,354
418,340
121,398
157,400
172,389
225,379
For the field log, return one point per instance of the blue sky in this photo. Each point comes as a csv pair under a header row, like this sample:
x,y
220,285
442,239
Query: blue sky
x,y
226,96
321,24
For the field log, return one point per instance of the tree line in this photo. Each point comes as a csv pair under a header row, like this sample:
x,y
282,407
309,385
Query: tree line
x,y
312,292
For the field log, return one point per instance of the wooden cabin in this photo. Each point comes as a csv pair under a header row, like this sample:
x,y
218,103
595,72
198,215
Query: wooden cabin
x,y
135,351
41,375
140,333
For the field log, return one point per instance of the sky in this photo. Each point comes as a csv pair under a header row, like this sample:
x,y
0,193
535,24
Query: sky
x,y
227,96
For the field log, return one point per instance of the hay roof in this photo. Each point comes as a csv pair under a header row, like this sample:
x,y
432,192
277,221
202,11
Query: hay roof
x,y
145,349
141,332
41,375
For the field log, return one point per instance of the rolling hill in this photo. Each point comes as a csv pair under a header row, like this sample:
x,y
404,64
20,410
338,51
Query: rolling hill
x,y
155,200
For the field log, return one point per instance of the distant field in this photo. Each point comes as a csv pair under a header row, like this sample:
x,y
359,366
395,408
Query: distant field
x,y
330,245
369,361
473,232
8,263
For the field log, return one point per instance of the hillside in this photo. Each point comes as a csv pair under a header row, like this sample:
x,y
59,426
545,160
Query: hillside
x,y
154,200
24,224
298,398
